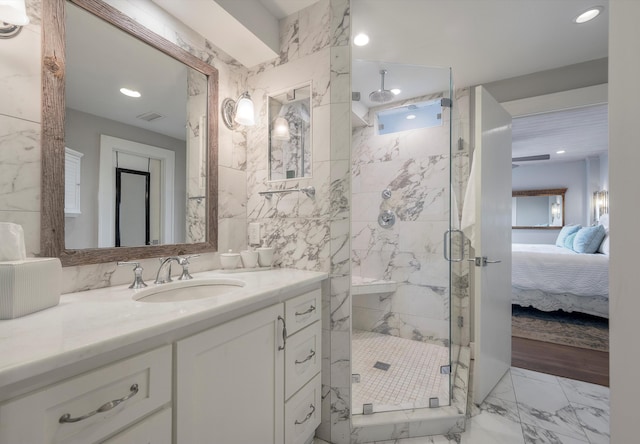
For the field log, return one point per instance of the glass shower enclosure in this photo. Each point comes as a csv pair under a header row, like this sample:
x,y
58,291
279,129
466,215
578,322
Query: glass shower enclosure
x,y
402,119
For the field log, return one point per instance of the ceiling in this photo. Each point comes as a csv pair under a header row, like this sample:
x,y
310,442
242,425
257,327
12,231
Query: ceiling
x,y
481,41
484,41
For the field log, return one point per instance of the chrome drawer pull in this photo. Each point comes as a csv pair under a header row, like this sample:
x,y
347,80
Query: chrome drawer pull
x,y
284,333
310,310
309,415
66,418
311,355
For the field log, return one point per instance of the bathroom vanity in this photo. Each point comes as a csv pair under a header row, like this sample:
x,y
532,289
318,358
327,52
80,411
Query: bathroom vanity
x,y
240,366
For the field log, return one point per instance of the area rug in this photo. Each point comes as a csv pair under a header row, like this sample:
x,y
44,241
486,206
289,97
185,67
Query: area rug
x,y
558,327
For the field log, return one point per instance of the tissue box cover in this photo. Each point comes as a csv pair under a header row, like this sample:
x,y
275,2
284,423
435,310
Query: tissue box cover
x,y
29,285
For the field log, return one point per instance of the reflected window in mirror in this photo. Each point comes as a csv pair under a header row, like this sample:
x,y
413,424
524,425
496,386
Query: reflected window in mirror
x,y
143,92
290,134
539,209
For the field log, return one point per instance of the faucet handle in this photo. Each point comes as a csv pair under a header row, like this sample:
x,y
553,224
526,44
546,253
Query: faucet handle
x,y
184,261
138,282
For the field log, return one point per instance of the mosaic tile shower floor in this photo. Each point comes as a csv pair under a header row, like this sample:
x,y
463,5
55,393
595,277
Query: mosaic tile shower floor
x,y
412,378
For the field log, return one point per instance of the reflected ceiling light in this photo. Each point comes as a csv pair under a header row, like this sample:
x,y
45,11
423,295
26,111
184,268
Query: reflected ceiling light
x,y
589,14
396,91
13,16
239,111
130,92
361,39
281,129
411,117
560,152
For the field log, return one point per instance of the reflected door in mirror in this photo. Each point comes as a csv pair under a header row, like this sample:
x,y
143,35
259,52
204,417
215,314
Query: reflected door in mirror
x,y
132,208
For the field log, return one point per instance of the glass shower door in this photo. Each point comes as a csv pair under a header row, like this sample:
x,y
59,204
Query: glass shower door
x,y
401,193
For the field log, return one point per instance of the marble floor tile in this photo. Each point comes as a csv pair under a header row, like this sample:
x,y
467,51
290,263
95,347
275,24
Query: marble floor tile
x,y
527,407
584,393
544,405
535,435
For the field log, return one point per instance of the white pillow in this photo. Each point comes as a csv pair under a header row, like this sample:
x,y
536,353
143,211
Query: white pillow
x,y
604,221
604,246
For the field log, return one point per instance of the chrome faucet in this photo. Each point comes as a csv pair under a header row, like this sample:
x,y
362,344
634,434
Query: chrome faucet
x,y
164,272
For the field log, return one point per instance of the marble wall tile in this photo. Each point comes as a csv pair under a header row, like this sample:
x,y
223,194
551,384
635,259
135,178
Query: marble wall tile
x,y
289,38
321,133
34,8
315,27
341,249
232,193
340,74
369,236
20,76
232,234
19,164
340,125
340,22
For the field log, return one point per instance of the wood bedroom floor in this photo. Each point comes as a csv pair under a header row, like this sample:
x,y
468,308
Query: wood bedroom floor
x,y
561,360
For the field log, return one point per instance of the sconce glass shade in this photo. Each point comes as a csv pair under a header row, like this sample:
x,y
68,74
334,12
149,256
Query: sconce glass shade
x,y
244,111
281,129
13,12
238,112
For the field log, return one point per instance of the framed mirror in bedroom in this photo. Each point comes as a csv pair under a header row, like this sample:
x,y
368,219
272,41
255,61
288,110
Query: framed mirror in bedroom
x,y
538,209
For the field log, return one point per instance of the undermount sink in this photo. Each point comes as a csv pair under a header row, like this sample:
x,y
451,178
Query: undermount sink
x,y
188,290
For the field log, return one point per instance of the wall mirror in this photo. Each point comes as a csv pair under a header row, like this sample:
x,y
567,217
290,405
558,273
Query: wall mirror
x,y
539,209
148,182
290,134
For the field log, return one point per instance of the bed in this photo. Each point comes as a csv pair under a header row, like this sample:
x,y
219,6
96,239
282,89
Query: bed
x,y
549,277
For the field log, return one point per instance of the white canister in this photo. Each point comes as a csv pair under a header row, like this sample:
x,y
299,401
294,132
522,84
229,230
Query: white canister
x,y
249,258
229,260
265,256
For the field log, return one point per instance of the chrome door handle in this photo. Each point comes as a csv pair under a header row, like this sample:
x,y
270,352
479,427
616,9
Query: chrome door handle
x,y
446,249
66,418
309,415
483,261
284,333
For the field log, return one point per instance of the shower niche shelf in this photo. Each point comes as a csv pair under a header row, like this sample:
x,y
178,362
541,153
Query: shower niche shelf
x,y
363,285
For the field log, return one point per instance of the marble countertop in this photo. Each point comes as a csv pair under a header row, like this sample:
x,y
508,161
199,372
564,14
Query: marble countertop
x,y
95,322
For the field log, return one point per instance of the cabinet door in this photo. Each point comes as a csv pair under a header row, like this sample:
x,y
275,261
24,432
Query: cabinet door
x,y
230,382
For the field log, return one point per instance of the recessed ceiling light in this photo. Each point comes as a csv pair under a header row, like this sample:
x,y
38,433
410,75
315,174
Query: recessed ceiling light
x,y
361,39
589,14
396,91
130,92
411,116
560,152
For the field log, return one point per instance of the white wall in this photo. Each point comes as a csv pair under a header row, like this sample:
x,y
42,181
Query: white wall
x,y
570,175
624,183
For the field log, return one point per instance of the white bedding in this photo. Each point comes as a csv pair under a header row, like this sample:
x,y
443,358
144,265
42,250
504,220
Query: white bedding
x,y
558,270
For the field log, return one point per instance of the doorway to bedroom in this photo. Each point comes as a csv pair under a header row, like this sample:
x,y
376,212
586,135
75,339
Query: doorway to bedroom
x,y
560,235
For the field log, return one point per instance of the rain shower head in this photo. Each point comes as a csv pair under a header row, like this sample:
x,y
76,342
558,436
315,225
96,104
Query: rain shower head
x,y
382,95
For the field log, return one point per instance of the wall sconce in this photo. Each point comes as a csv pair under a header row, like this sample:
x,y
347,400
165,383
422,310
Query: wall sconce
x,y
600,203
13,16
239,111
281,129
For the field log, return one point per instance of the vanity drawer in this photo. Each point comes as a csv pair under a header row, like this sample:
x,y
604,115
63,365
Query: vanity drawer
x,y
302,413
141,384
302,358
302,310
156,429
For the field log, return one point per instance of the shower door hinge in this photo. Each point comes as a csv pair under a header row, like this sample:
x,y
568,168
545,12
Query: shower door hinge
x,y
446,102
460,321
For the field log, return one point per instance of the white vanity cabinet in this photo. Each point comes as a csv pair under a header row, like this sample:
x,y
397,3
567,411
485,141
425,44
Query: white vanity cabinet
x,y
246,382
229,382
93,406
303,359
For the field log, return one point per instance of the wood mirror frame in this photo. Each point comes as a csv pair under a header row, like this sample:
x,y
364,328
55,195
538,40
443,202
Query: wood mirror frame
x,y
535,193
52,242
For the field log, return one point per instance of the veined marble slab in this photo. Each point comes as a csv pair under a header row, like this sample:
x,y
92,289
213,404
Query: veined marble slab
x,y
363,285
88,324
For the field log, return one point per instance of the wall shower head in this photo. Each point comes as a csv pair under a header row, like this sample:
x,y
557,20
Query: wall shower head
x,y
382,95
